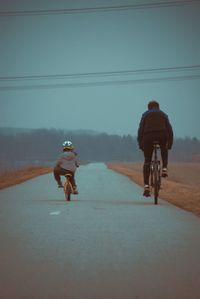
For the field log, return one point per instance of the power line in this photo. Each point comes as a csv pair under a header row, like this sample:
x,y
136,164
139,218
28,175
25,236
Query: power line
x,y
100,83
101,74
98,9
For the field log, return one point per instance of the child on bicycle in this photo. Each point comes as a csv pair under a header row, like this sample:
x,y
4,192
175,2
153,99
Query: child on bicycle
x,y
66,163
154,126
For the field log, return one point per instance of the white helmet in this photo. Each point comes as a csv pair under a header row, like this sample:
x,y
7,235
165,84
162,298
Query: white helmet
x,y
67,145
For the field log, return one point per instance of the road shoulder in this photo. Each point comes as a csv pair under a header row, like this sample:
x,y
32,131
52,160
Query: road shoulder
x,y
182,192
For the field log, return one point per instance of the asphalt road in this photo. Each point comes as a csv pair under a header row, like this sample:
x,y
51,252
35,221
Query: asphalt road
x,y
108,242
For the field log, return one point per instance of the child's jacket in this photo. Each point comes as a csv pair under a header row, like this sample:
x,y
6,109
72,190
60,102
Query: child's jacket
x,y
67,161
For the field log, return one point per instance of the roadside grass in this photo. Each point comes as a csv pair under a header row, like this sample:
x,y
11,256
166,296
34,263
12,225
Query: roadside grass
x,y
181,188
13,177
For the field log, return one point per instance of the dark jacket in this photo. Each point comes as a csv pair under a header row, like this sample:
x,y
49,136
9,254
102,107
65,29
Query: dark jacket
x,y
155,120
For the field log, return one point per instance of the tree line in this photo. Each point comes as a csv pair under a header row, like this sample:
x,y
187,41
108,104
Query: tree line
x,y
42,146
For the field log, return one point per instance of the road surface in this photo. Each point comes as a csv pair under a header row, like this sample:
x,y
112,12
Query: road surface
x,y
109,242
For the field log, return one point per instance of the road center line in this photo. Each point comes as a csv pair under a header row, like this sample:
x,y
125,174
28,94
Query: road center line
x,y
55,213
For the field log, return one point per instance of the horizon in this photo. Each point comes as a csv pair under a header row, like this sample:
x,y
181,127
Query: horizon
x,y
83,131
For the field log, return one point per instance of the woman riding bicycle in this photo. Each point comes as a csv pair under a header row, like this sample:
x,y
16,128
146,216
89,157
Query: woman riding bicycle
x,y
66,163
154,126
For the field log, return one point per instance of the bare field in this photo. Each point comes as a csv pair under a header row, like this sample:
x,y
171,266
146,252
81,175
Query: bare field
x,y
181,188
10,178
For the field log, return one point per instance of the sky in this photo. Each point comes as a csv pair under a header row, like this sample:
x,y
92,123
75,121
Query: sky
x,y
98,70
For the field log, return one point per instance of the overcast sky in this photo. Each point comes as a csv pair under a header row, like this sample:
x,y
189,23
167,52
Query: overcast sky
x,y
99,42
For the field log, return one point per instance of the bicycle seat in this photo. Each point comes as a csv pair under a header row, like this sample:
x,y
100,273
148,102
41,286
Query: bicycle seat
x,y
68,175
156,143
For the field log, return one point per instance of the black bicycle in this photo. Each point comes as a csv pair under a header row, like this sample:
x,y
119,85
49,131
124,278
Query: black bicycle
x,y
68,189
155,172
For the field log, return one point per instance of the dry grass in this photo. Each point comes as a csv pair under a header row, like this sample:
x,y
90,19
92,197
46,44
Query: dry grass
x,y
10,178
182,188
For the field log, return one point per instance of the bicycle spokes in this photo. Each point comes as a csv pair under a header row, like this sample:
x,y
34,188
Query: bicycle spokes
x,y
155,173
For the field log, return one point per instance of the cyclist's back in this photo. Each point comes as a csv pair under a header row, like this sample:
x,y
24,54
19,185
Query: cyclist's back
x,y
67,160
154,122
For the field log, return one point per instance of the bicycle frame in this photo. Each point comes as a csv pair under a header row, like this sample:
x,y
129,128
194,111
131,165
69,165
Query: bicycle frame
x,y
155,172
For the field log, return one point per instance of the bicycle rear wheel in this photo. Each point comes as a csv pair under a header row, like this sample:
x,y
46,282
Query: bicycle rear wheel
x,y
156,185
68,197
67,190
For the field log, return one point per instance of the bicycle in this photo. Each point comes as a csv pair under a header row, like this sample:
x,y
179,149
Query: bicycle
x,y
68,189
155,172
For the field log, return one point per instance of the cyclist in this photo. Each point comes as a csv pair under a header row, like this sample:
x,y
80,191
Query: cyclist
x,y
154,126
66,163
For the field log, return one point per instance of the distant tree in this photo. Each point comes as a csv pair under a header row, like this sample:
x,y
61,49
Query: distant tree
x,y
44,145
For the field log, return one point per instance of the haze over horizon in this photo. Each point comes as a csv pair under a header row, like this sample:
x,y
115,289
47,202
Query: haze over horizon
x,y
98,70
110,116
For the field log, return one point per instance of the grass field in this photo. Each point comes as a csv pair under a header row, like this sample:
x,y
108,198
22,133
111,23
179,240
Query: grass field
x,y
13,177
181,188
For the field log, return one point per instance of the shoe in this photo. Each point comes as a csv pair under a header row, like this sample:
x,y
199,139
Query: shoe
x,y
146,191
164,173
75,191
60,185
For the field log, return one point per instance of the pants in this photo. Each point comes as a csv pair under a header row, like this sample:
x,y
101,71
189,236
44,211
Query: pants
x,y
148,140
58,171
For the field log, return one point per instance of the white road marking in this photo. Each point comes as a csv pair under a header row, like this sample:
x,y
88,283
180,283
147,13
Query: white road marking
x,y
55,213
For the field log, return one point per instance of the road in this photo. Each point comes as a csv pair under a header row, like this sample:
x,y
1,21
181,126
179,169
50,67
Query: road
x,y
108,242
